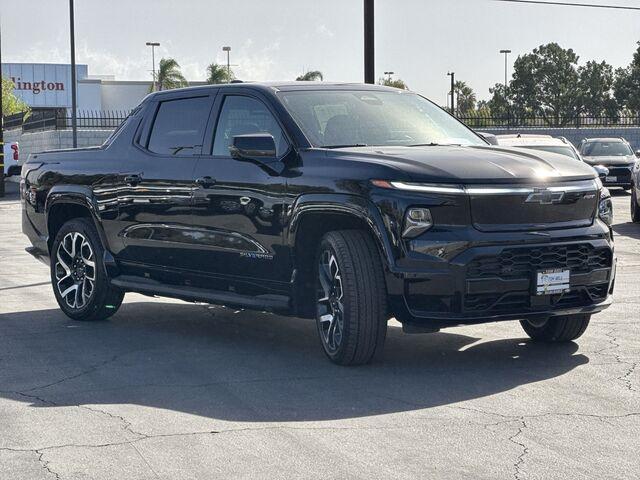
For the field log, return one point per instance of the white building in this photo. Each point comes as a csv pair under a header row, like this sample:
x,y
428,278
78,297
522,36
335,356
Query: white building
x,y
47,86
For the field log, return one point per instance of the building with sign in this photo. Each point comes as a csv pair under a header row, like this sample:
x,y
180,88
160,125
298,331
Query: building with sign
x,y
47,86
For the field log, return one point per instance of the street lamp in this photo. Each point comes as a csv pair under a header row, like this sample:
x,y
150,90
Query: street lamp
x,y
453,89
228,50
74,97
153,46
506,55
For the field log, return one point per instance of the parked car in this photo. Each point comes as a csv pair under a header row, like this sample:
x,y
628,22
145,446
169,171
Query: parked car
x,y
614,153
547,143
350,204
11,158
635,185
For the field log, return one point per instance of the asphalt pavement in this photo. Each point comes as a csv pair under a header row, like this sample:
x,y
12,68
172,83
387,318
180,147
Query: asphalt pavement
x,y
172,390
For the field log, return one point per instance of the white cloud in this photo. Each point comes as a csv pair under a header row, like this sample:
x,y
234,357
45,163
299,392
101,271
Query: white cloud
x,y
324,31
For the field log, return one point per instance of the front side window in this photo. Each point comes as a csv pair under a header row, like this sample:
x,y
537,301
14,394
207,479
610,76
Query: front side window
x,y
606,149
243,116
179,126
373,118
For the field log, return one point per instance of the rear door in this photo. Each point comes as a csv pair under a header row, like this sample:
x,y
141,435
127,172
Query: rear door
x,y
157,182
238,205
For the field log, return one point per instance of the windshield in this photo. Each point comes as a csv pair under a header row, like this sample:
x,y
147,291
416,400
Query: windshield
x,y
606,149
365,118
567,151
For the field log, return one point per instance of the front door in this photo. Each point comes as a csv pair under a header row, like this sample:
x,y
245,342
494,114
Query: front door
x,y
156,195
238,204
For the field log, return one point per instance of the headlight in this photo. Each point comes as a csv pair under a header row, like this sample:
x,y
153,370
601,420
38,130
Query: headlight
x,y
416,221
605,208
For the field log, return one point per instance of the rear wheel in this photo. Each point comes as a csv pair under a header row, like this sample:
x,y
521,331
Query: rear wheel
x,y
635,210
351,309
557,329
78,276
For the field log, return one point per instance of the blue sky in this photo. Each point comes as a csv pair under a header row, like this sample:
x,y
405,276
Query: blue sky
x,y
279,39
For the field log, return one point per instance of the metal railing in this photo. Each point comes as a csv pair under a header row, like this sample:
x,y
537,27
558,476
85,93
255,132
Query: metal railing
x,y
579,121
60,119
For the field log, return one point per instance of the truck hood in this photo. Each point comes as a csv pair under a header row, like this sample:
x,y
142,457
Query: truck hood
x,y
613,160
483,164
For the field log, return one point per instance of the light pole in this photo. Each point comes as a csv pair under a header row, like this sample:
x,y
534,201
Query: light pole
x,y
74,106
228,50
389,76
453,91
506,55
1,122
369,43
153,46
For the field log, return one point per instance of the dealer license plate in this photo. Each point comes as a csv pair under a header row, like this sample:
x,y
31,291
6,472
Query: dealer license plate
x,y
551,282
611,179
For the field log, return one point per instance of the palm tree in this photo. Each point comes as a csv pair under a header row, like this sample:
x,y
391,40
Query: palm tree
x,y
312,76
465,98
169,75
218,74
390,82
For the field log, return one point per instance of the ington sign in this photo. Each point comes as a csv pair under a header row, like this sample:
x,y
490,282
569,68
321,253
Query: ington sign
x,y
43,84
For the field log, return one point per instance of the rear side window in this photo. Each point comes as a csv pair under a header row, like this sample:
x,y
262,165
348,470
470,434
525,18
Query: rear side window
x,y
179,126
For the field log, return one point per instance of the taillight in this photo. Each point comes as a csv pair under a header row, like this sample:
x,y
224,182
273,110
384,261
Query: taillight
x,y
16,151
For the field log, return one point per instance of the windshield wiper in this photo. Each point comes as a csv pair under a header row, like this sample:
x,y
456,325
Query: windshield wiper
x,y
346,145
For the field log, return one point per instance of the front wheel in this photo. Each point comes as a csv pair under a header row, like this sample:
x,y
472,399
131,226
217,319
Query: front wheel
x,y
635,210
557,329
351,297
78,276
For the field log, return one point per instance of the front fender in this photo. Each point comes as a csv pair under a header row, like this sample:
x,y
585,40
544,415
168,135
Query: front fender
x,y
345,204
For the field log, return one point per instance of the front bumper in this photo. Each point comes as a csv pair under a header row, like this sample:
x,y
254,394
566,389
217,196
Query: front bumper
x,y
622,176
488,282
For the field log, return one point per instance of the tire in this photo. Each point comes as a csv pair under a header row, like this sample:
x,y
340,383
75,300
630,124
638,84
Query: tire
x,y
558,329
83,292
635,210
350,289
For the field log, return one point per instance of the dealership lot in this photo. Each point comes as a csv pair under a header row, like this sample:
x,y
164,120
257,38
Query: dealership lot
x,y
172,390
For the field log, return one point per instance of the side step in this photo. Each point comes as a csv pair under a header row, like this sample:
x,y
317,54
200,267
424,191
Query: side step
x,y
131,283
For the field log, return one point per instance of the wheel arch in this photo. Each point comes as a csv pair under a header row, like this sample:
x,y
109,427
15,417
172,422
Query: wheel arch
x,y
311,217
64,203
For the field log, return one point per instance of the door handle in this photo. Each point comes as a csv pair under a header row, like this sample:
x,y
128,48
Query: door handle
x,y
133,179
205,182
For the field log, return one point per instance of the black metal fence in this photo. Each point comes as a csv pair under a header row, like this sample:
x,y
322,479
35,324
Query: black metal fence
x,y
579,121
60,119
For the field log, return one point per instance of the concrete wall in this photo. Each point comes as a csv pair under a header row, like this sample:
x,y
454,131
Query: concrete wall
x,y
576,135
34,142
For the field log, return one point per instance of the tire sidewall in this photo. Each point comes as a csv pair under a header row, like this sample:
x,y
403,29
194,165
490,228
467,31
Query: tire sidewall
x,y
82,226
337,355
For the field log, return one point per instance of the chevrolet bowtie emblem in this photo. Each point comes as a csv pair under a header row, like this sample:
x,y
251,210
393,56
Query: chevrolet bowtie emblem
x,y
544,197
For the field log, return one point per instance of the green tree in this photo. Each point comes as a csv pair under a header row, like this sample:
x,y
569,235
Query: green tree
x,y
395,83
218,74
465,99
312,76
499,103
11,104
596,84
627,85
169,75
546,82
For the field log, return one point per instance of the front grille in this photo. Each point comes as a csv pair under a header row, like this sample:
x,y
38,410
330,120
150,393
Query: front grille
x,y
622,174
524,262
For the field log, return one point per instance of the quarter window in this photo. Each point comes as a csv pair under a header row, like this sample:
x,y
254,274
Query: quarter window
x,y
242,116
179,126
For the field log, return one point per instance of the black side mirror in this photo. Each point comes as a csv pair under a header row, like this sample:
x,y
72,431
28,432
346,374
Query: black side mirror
x,y
254,146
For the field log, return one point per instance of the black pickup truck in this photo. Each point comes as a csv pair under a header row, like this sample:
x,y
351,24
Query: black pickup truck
x,y
347,203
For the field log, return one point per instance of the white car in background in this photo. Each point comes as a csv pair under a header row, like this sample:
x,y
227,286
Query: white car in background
x,y
547,143
11,159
